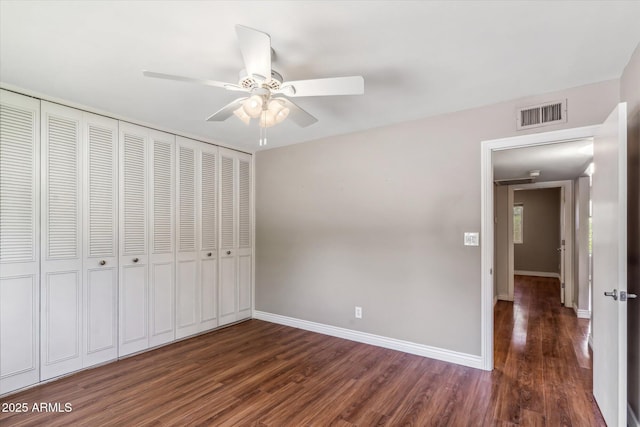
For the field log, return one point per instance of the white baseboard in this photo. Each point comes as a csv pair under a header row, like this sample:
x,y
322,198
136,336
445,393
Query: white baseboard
x,y
451,356
505,298
582,314
495,300
632,419
537,274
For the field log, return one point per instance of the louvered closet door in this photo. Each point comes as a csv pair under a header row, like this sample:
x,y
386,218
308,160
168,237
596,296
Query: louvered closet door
x,y
208,242
134,250
162,256
245,233
19,234
188,276
61,257
100,201
228,237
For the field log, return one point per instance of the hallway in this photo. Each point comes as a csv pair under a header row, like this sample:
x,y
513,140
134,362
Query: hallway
x,y
543,359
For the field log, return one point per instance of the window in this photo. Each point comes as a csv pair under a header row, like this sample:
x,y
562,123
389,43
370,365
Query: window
x,y
518,212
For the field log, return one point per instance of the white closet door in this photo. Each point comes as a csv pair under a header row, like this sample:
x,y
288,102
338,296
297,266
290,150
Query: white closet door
x,y
245,232
228,237
134,252
19,234
100,281
208,213
162,256
61,257
187,278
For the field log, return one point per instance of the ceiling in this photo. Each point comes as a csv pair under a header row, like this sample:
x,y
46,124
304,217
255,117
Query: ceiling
x,y
418,58
556,162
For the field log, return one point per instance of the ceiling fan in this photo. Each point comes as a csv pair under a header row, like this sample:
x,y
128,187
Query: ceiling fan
x,y
266,90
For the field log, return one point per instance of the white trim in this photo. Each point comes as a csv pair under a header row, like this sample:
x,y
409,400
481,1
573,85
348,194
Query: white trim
x,y
495,300
537,273
590,341
504,297
487,217
632,419
580,313
450,356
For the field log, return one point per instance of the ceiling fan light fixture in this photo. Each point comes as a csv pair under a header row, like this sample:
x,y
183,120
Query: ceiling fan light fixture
x,y
253,106
242,115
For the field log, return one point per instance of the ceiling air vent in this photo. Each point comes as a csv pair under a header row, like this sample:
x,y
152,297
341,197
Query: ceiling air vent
x,y
542,115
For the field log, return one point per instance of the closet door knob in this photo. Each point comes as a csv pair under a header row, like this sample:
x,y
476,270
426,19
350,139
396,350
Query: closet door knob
x,y
209,254
136,260
228,252
103,262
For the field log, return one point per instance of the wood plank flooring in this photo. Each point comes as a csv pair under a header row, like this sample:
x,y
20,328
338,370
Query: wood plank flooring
x,y
257,373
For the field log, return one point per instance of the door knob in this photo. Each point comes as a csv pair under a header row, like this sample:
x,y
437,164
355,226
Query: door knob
x,y
559,249
103,262
136,260
613,294
228,252
209,254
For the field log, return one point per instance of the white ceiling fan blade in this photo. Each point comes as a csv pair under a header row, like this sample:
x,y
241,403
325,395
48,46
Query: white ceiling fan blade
x,y
228,86
255,47
353,85
225,112
297,114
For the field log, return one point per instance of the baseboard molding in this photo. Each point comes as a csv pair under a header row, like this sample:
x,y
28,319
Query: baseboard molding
x,y
458,358
632,419
504,298
495,300
582,314
536,274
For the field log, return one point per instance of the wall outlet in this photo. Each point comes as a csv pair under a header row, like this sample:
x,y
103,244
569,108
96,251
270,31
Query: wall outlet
x,y
358,312
471,239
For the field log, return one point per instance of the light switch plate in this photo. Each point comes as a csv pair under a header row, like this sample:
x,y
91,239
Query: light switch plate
x,y
471,239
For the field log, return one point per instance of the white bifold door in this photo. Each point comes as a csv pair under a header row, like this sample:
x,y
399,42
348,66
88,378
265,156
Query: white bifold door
x,y
236,226
196,255
19,235
78,235
146,238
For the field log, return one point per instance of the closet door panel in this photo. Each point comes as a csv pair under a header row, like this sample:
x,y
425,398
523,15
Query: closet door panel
x,y
228,237
162,257
208,214
187,280
19,234
245,232
61,259
133,262
100,281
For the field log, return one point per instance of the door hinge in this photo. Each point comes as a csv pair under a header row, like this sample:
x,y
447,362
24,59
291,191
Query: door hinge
x,y
562,285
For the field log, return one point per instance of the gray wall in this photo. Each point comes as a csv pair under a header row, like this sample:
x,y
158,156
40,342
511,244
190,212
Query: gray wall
x,y
501,242
630,92
541,231
376,219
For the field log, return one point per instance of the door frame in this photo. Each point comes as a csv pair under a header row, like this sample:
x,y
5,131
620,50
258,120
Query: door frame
x,y
487,215
566,217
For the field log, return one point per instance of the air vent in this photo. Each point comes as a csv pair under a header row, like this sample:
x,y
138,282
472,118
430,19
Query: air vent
x,y
514,181
542,115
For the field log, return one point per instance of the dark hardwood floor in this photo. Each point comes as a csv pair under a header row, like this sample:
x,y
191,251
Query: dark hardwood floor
x,y
257,373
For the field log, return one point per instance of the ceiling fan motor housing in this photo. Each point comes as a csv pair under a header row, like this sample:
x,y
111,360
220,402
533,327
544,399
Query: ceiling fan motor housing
x,y
255,81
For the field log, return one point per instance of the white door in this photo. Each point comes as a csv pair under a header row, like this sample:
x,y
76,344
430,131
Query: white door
x,y
187,277
245,231
134,253
236,229
208,243
19,234
609,196
162,257
61,241
228,237
100,267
